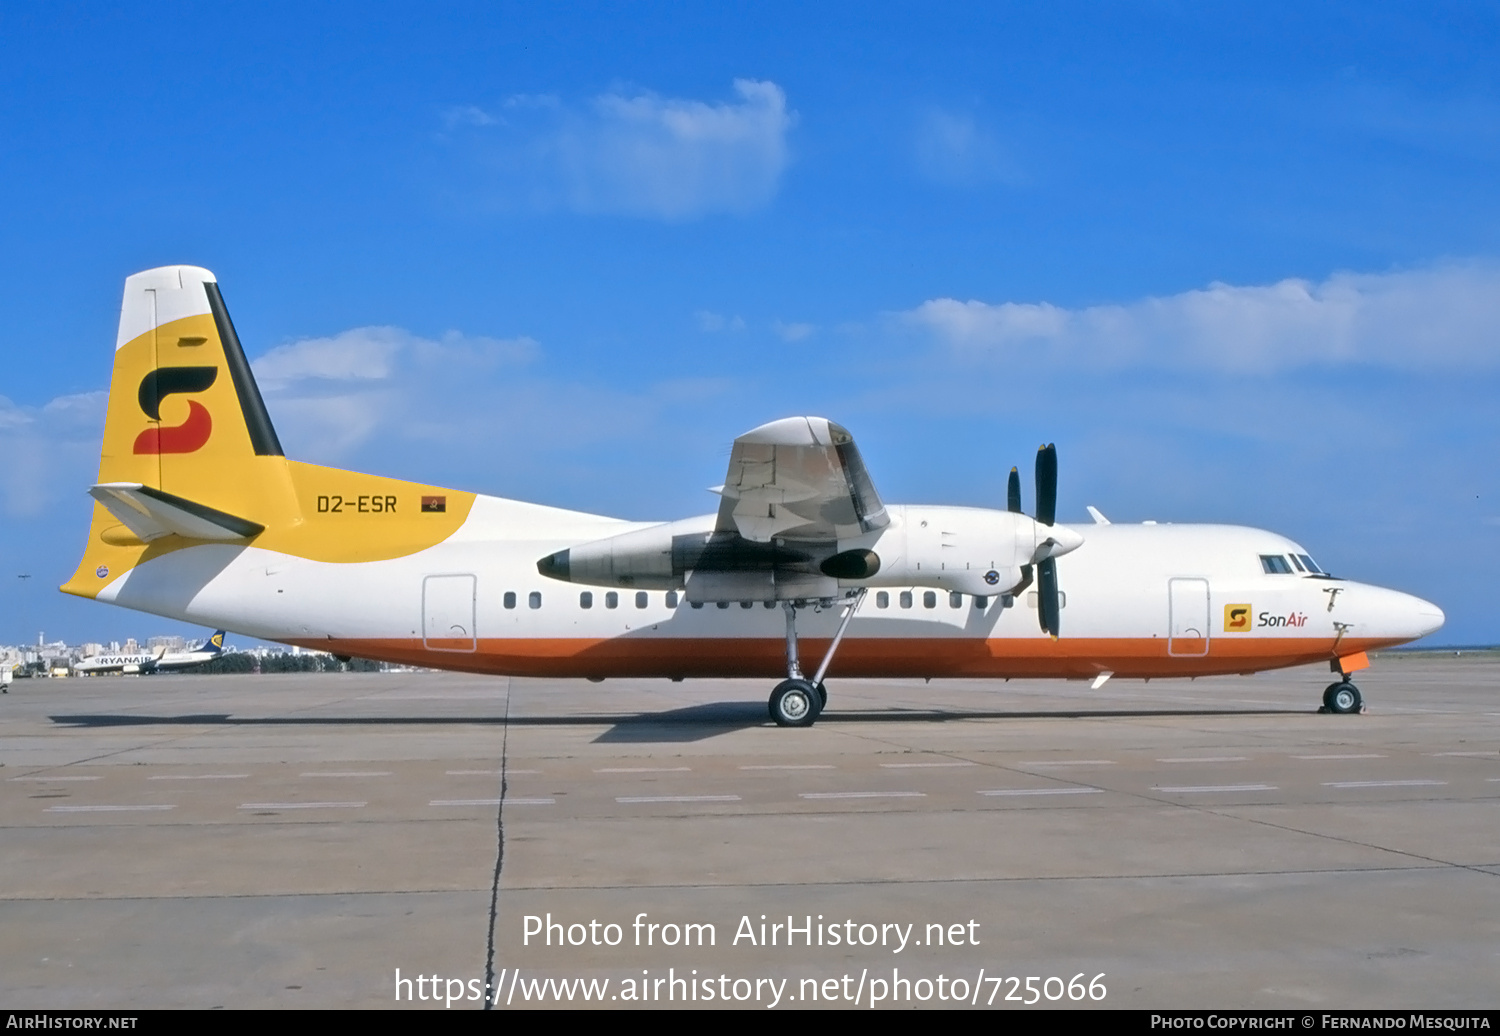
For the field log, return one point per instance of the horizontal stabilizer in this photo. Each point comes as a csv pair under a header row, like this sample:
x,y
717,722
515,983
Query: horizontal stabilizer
x,y
152,514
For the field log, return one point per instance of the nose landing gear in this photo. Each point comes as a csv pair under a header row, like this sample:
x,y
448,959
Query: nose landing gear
x,y
1342,698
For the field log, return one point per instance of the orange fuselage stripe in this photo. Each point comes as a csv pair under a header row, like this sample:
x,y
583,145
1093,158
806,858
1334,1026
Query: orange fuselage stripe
x,y
895,657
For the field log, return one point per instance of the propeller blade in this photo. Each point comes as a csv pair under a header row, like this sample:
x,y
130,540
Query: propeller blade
x,y
1013,492
1024,583
1047,600
1046,484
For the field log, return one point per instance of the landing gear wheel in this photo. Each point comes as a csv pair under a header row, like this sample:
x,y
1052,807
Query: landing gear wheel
x,y
794,703
822,699
1343,699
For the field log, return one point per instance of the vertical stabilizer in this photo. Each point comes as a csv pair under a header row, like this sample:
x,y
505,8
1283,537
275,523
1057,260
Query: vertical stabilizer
x,y
185,423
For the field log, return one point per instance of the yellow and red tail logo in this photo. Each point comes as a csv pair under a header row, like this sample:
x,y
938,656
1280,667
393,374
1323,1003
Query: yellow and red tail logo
x,y
193,433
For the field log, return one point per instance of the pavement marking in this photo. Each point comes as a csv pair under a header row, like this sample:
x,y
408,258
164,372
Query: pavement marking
x,y
676,798
1362,755
1071,762
1382,784
792,766
301,805
1206,759
645,769
107,809
197,776
1043,791
347,773
902,766
863,795
491,802
1205,788
486,773
48,779
1484,755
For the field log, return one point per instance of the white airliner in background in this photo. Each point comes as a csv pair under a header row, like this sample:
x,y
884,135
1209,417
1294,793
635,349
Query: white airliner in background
x,y
199,516
158,661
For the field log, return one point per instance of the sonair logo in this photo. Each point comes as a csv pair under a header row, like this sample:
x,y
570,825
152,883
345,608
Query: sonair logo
x,y
1267,619
192,433
1237,618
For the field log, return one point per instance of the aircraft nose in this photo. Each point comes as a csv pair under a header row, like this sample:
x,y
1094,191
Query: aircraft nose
x,y
1430,617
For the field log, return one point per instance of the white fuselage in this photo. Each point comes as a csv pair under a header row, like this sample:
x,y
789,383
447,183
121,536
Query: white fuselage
x,y
1137,600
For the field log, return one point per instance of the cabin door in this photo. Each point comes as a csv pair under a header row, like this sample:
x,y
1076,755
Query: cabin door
x,y
448,613
1188,606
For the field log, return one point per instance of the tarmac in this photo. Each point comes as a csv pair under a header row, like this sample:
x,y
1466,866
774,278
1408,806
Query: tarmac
x,y
340,840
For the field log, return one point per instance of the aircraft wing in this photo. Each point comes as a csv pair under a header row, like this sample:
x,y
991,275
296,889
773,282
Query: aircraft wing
x,y
799,478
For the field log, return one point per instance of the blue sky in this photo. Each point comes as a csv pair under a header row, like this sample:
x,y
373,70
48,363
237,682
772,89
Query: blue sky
x,y
1240,261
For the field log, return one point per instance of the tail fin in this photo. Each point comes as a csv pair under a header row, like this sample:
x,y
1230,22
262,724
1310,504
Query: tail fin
x,y
190,457
214,643
189,450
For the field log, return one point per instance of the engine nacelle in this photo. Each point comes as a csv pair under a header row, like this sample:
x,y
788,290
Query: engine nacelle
x,y
964,549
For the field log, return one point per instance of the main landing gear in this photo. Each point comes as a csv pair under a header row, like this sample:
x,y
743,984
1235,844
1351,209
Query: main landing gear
x,y
798,701
1342,698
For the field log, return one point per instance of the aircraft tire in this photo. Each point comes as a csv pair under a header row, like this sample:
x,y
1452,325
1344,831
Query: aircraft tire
x,y
1343,699
794,703
822,698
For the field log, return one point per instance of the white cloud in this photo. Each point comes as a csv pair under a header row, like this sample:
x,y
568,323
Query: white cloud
x,y
792,332
467,115
638,154
47,451
334,393
1445,317
956,151
715,322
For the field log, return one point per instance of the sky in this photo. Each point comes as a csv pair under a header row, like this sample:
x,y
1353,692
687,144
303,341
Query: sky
x,y
1239,261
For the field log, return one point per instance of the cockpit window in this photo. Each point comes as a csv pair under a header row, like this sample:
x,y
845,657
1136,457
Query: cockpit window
x,y
1275,565
1296,564
1311,565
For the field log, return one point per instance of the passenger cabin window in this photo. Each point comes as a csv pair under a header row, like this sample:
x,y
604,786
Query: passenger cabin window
x,y
929,599
640,598
534,599
585,600
611,600
671,598
747,604
981,603
955,599
722,605
510,598
906,598
1275,565
882,600
696,604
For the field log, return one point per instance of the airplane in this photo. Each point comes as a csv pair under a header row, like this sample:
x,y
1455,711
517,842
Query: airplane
x,y
157,661
199,516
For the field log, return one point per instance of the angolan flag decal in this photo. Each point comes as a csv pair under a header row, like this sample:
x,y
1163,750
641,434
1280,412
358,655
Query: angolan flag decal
x,y
434,504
